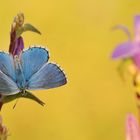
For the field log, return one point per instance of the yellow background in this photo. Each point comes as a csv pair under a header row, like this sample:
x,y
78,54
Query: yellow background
x,y
94,103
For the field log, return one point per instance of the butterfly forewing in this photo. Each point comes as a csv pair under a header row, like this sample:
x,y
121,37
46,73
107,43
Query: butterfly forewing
x,y
32,60
7,65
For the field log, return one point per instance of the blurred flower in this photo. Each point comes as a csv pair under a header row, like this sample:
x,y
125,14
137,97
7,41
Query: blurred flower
x,y
3,131
130,48
129,51
132,128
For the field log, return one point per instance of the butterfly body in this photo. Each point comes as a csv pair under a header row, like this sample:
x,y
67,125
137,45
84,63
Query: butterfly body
x,y
20,79
29,71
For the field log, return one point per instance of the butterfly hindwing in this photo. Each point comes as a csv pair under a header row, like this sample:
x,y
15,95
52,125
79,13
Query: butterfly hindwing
x,y
49,76
7,65
7,85
32,60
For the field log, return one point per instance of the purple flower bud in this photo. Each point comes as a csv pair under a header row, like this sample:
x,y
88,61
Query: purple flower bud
x,y
19,46
16,44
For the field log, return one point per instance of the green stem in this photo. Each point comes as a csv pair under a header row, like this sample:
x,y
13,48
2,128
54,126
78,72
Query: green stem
x,y
27,95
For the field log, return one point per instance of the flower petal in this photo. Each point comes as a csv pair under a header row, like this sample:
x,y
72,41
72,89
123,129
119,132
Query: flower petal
x,y
124,50
137,27
136,60
123,28
132,128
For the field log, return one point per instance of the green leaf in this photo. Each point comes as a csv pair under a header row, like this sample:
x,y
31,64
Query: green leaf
x,y
123,67
26,27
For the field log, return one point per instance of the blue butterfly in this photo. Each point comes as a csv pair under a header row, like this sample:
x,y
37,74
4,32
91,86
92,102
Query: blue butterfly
x,y
29,71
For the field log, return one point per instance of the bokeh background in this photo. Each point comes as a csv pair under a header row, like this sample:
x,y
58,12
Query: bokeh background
x,y
94,103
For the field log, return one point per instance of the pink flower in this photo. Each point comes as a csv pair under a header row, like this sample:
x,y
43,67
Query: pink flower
x,y
132,128
130,48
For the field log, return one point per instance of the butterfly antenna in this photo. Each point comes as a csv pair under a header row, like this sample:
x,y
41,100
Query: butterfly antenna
x,y
15,103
